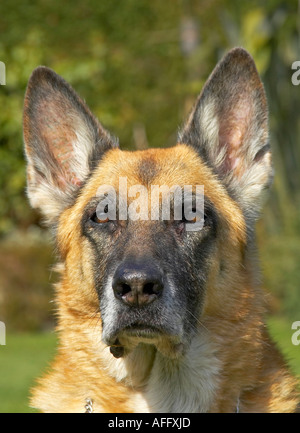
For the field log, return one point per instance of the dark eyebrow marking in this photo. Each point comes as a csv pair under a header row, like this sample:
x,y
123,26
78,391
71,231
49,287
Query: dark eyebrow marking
x,y
147,170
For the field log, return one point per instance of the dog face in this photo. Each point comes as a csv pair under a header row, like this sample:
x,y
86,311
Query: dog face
x,y
151,279
149,275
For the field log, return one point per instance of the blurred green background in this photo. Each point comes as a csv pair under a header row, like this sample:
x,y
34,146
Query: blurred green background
x,y
139,65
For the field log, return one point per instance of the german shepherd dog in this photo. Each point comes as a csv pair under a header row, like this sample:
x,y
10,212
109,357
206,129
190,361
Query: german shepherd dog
x,y
154,316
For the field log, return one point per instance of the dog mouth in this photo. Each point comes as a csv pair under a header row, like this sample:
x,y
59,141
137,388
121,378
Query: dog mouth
x,y
142,330
135,332
131,335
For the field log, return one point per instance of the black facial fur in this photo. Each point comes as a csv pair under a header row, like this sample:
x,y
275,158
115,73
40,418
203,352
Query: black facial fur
x,y
183,257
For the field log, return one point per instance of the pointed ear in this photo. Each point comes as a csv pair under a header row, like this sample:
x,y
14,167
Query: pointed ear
x,y
63,140
229,129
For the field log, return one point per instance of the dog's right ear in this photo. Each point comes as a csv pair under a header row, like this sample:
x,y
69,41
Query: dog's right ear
x,y
63,141
228,127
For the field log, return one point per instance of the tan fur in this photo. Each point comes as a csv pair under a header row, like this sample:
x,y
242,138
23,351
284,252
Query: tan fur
x,y
208,348
242,367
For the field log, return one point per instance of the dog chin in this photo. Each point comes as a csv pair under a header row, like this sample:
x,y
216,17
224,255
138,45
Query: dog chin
x,y
127,339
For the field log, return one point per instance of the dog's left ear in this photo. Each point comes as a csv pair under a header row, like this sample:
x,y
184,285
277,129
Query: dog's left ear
x,y
229,129
63,142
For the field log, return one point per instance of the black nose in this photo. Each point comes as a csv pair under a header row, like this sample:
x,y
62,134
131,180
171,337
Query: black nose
x,y
137,283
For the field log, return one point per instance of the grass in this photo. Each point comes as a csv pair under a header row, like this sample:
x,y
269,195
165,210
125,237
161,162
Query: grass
x,y
280,330
25,356
21,362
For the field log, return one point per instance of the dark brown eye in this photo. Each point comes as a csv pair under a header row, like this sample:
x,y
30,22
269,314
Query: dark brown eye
x,y
189,220
100,217
98,220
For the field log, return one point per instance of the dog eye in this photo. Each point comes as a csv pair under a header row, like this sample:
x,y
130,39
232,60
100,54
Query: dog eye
x,y
192,220
189,220
195,220
98,220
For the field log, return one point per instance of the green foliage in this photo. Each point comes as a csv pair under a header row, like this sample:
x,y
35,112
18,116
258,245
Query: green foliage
x,y
26,281
281,272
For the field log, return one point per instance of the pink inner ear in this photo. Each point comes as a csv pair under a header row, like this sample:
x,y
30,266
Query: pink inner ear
x,y
233,126
57,131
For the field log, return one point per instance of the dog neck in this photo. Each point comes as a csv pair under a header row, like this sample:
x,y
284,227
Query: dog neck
x,y
163,384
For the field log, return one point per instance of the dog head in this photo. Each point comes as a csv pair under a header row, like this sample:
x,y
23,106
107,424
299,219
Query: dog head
x,y
152,271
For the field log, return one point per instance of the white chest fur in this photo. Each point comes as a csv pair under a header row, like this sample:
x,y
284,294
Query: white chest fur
x,y
166,385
